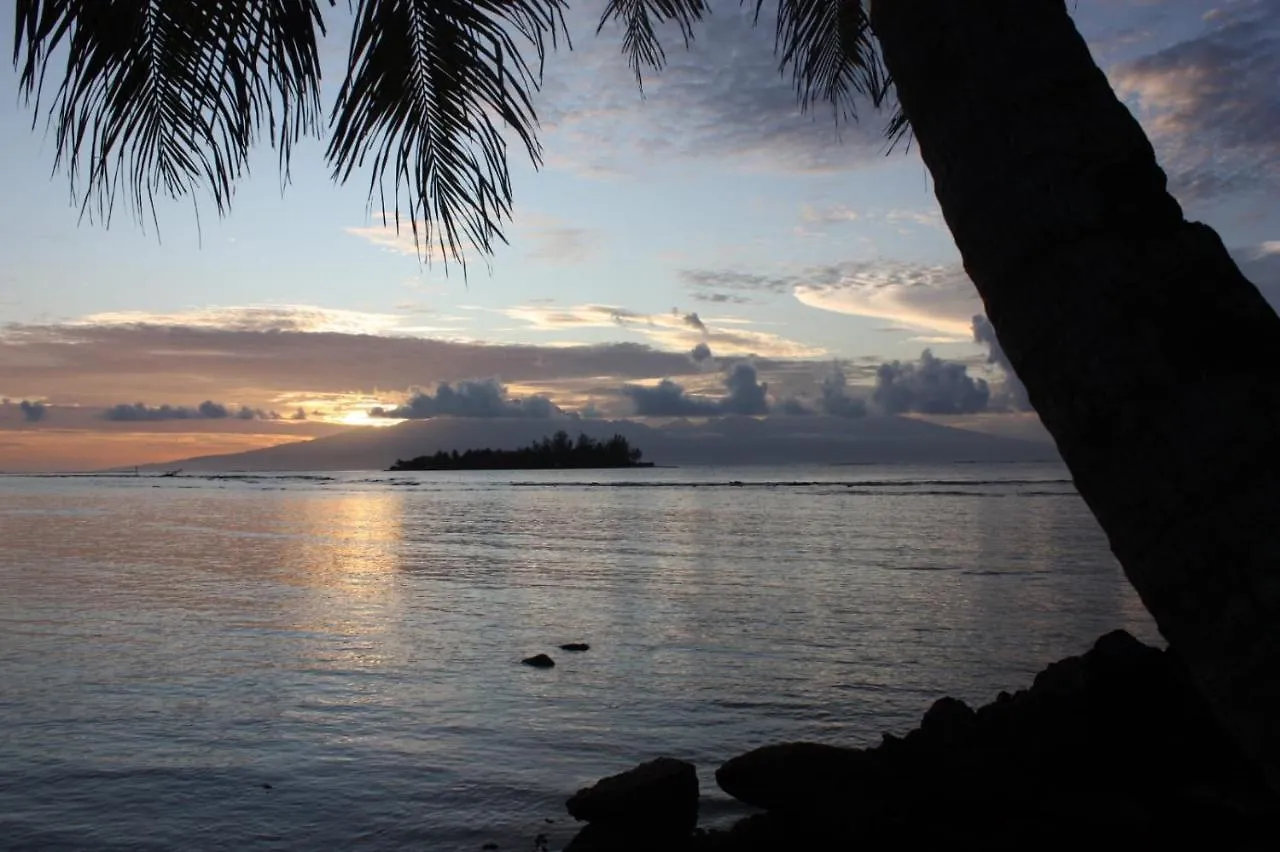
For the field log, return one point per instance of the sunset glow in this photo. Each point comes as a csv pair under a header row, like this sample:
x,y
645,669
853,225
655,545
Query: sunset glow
x,y
706,250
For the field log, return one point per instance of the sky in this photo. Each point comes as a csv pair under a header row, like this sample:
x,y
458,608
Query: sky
x,y
698,250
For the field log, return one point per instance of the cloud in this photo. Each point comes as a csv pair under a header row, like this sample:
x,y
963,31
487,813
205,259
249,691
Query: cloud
x,y
835,401
548,238
668,399
722,99
832,214
1212,104
98,365
551,318
1013,394
727,286
694,321
700,353
937,299
207,410
265,318
792,386
744,394
401,239
32,412
487,398
674,330
722,298
931,298
555,241
929,386
837,214
938,302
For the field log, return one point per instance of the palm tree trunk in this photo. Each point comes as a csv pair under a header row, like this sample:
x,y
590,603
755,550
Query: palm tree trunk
x,y
1151,360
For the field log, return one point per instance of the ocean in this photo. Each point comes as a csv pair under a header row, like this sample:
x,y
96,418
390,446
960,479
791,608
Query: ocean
x,y
332,661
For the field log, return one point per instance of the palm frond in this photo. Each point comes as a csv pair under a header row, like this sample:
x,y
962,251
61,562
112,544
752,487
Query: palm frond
x,y
428,85
831,52
638,18
168,96
898,130
827,46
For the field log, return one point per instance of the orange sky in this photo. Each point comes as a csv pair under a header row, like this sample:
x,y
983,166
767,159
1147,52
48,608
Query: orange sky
x,y
47,450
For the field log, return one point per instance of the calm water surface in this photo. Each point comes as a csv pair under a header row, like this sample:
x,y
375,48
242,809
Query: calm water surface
x,y
262,662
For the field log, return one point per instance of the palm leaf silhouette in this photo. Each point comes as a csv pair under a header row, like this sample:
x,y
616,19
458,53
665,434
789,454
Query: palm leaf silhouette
x,y
428,84
640,19
167,97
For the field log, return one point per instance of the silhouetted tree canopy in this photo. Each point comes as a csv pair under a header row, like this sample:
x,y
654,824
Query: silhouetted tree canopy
x,y
557,451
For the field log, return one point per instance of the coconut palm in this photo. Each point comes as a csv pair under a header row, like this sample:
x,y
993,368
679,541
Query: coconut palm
x,y
1100,291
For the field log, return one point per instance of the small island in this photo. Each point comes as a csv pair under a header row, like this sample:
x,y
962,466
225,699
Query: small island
x,y
556,452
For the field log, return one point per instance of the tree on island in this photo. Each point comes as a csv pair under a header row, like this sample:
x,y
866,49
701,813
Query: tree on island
x,y
557,451
1047,183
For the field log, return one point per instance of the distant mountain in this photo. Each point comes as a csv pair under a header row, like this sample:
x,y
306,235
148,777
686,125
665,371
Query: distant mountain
x,y
722,441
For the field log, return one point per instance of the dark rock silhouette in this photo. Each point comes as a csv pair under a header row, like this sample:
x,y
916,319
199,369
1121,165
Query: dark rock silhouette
x,y
539,661
949,721
575,646
1115,740
1113,744
791,777
654,800
596,838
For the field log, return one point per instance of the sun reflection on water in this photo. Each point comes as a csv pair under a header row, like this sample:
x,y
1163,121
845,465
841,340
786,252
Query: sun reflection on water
x,y
349,556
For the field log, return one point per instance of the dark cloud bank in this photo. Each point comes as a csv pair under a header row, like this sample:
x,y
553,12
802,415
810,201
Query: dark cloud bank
x,y
929,385
32,412
744,394
700,353
208,410
102,365
474,398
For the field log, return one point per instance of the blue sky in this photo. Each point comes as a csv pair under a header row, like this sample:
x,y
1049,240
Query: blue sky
x,y
791,241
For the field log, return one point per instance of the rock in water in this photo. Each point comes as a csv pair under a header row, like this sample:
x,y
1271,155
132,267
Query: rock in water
x,y
575,646
539,661
655,798
792,777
